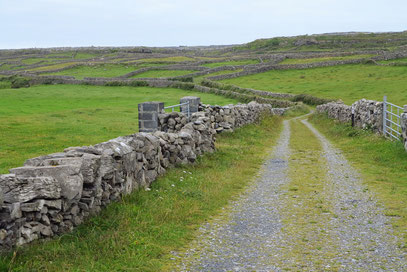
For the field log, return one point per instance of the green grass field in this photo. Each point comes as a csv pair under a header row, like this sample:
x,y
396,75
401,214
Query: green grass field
x,y
163,73
45,119
312,60
139,232
346,82
52,66
224,72
100,70
230,63
167,59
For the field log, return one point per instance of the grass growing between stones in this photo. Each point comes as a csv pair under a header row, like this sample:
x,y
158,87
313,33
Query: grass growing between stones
x,y
306,207
346,82
138,233
382,163
46,119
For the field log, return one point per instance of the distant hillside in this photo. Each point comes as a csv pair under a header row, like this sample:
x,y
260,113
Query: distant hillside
x,y
329,41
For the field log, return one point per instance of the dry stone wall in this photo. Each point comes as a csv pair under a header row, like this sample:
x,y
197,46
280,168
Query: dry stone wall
x,y
52,194
368,114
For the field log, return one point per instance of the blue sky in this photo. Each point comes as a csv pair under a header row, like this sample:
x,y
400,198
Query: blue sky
x,y
50,23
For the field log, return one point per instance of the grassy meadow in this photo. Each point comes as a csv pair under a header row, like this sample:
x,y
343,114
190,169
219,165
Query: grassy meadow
x,y
346,82
99,70
44,119
312,60
163,73
230,63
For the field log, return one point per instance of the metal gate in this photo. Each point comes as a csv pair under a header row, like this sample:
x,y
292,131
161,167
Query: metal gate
x,y
185,110
391,120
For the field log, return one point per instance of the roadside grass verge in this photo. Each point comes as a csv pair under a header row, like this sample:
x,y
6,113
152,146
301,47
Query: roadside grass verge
x,y
139,232
382,163
346,82
44,119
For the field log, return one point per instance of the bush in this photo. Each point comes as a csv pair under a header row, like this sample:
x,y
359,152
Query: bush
x,y
113,83
310,100
183,79
20,82
138,83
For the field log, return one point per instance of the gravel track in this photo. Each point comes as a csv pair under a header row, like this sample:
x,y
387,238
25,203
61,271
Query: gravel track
x,y
249,235
363,232
253,227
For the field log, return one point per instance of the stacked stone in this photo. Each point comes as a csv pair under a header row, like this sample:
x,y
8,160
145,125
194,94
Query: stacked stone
x,y
369,115
403,122
194,139
172,122
227,118
52,194
336,110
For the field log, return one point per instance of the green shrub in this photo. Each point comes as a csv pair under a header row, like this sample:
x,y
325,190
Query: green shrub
x,y
310,100
183,79
113,83
138,83
20,82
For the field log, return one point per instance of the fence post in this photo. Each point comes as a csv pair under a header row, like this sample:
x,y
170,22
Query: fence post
x,y
192,106
384,114
148,116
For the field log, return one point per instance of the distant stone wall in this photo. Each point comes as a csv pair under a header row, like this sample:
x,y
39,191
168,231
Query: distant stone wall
x,y
368,114
52,194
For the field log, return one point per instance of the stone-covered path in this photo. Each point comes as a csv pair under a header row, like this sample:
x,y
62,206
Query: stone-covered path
x,y
307,211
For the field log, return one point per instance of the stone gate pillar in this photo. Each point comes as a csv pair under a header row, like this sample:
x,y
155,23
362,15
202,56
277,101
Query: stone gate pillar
x,y
148,116
193,104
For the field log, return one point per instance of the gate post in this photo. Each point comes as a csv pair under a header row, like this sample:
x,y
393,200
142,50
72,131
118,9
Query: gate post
x,y
193,104
148,116
384,114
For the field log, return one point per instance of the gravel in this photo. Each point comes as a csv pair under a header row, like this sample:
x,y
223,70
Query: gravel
x,y
246,234
249,234
362,231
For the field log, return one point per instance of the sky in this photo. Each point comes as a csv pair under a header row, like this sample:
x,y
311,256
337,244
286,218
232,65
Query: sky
x,y
55,23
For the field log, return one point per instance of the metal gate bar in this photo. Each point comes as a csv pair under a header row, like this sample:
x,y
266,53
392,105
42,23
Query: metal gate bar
x,y
391,128
179,105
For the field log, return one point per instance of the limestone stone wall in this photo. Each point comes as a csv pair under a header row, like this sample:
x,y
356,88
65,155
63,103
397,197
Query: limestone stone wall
x,y
52,194
368,114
